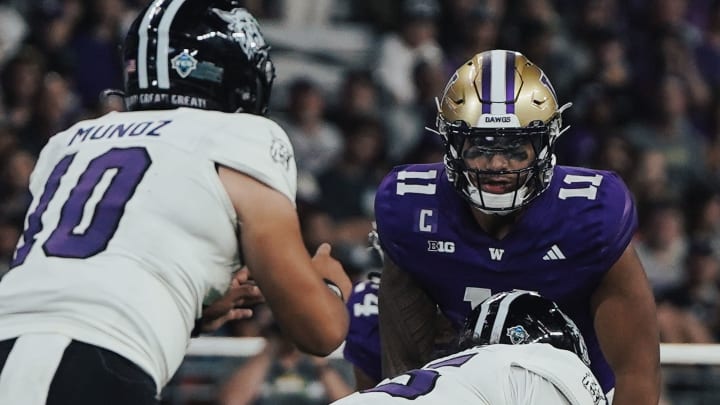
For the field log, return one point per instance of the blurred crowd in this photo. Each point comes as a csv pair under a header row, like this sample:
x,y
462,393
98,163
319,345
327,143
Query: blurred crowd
x,y
643,76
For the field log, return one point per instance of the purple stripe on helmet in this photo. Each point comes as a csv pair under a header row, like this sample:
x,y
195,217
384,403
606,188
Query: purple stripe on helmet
x,y
486,83
510,83
547,83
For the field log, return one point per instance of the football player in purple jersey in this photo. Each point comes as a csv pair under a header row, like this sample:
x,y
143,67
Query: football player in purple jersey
x,y
362,344
498,214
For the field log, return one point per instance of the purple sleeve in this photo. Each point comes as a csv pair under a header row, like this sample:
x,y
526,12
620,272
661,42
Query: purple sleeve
x,y
362,344
621,221
398,203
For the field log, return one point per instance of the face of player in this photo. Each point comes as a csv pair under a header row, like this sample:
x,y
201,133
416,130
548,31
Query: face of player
x,y
498,165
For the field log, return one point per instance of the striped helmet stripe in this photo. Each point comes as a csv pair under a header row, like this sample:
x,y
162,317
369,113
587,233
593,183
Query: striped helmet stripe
x,y
498,82
163,46
143,29
165,11
484,309
486,84
510,82
502,314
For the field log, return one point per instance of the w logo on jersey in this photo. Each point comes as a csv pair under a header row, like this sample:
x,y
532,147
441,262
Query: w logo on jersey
x,y
496,254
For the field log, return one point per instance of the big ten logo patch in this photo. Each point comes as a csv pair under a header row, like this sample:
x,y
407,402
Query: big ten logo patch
x,y
441,246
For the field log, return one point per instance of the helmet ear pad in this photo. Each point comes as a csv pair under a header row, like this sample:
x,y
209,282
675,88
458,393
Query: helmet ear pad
x,y
249,91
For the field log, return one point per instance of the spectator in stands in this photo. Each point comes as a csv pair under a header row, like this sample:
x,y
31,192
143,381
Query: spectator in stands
x,y
306,13
708,52
13,29
56,25
702,213
98,33
661,243
357,95
14,180
615,153
21,82
407,123
690,309
671,131
472,31
400,51
649,181
316,142
348,186
55,109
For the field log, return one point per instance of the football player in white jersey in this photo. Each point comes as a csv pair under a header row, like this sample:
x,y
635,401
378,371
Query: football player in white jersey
x,y
516,348
140,217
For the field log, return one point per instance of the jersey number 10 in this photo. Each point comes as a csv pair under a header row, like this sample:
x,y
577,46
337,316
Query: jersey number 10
x,y
66,240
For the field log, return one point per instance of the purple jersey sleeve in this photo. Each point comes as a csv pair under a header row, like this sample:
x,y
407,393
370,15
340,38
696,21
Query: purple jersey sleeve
x,y
620,218
562,245
362,344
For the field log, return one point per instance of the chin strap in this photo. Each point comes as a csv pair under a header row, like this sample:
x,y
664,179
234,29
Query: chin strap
x,y
107,93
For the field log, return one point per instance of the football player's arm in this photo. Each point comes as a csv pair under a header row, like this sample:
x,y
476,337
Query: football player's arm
x,y
362,380
308,312
626,326
233,305
407,321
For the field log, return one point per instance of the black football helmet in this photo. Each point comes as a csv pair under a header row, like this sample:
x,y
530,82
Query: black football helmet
x,y
206,54
521,317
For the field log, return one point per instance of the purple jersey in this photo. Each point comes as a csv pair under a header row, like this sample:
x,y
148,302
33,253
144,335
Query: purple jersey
x,y
562,246
362,344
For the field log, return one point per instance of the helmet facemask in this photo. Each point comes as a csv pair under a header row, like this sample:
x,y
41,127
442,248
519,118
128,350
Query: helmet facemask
x,y
515,188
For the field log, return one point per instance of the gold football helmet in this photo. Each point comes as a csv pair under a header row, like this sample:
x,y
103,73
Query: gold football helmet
x,y
498,103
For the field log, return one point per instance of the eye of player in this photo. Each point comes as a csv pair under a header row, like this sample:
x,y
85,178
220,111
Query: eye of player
x,y
514,148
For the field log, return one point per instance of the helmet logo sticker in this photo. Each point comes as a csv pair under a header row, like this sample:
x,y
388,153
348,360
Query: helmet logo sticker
x,y
184,63
246,31
517,334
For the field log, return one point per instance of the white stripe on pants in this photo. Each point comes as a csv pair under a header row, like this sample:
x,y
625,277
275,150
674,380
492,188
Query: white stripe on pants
x,y
30,368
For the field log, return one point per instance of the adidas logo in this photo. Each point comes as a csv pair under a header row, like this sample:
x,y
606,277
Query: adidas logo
x,y
554,254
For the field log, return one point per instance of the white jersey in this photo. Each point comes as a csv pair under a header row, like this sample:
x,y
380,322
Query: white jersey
x,y
498,374
130,229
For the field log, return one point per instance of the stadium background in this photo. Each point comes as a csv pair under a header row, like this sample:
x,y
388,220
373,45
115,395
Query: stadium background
x,y
356,85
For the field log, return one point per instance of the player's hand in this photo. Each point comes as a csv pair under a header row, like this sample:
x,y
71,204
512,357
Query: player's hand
x,y
330,268
241,294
